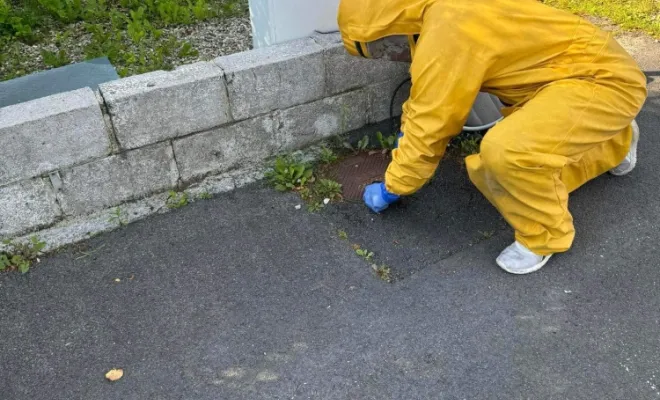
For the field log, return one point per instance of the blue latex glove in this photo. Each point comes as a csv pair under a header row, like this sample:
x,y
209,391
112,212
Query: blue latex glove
x,y
377,198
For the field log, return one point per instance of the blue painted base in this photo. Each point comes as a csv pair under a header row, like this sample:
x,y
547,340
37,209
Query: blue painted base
x,y
90,73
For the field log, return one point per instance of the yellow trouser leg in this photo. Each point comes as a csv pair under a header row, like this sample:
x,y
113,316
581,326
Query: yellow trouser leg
x,y
570,133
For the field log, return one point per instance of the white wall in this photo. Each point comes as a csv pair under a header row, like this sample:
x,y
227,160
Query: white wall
x,y
276,21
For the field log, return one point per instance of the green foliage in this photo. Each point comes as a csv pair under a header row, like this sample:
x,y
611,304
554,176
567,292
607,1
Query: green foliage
x,y
205,196
176,199
386,143
187,50
128,32
55,59
66,11
288,174
487,234
383,272
20,256
468,145
364,253
171,12
320,193
630,14
342,234
363,143
327,156
328,189
117,217
200,10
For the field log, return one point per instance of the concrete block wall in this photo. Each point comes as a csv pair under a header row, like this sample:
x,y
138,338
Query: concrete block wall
x,y
78,153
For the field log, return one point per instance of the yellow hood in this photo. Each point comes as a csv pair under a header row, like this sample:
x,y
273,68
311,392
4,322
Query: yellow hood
x,y
363,21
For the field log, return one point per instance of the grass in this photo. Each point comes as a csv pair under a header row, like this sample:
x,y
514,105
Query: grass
x,y
643,15
129,32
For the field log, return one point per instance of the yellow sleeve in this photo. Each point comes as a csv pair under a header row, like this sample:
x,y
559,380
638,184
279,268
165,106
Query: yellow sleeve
x,y
447,73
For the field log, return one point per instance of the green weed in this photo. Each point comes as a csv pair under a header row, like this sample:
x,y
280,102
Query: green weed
x,y
55,59
487,234
342,234
327,156
321,193
117,217
20,256
469,145
383,272
386,143
363,143
364,253
289,174
205,196
176,199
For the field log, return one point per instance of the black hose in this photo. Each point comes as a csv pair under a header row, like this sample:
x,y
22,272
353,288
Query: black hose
x,y
396,91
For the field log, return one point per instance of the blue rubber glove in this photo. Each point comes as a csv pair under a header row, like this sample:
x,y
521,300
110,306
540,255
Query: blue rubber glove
x,y
377,198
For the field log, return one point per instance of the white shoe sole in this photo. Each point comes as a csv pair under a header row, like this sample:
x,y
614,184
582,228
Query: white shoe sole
x,y
632,152
526,270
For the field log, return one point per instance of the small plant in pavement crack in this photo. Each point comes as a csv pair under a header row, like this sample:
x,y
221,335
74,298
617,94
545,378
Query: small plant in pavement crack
x,y
117,217
177,199
205,196
20,256
289,174
383,272
364,253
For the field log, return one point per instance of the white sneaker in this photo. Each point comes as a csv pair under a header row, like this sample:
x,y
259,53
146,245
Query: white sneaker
x,y
628,163
517,259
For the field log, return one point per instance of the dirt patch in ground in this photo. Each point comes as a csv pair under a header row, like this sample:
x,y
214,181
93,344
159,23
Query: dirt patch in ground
x,y
356,171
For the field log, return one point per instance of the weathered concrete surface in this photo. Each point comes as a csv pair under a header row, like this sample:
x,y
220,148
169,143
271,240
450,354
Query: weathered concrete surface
x,y
271,78
26,205
225,148
116,179
380,99
345,72
157,106
53,132
308,123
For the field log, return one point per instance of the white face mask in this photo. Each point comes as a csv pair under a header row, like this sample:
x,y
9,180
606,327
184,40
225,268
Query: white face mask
x,y
392,48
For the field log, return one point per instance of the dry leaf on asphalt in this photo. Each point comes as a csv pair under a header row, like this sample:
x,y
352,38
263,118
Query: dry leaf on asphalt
x,y
114,375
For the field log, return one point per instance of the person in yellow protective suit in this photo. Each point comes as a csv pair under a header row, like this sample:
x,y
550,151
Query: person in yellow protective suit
x,y
572,94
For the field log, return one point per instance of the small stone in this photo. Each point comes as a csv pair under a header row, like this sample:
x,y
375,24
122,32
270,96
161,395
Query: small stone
x,y
298,207
326,201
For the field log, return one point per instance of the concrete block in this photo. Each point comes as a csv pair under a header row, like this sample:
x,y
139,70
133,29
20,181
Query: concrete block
x,y
274,77
380,98
26,206
302,125
161,105
345,72
116,179
52,132
225,148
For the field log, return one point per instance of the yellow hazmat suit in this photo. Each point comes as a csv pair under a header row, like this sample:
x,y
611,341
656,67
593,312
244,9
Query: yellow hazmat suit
x,y
573,94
